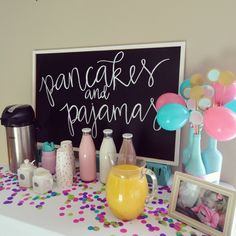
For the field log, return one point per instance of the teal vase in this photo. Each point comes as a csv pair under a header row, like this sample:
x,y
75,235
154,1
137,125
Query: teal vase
x,y
188,149
212,157
195,164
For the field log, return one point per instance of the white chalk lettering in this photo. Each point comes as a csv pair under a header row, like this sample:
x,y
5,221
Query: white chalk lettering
x,y
108,113
96,94
108,73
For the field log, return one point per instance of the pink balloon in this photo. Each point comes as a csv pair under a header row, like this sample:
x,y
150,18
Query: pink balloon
x,y
220,123
167,98
224,94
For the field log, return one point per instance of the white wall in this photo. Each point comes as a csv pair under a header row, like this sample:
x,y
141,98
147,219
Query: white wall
x,y
208,27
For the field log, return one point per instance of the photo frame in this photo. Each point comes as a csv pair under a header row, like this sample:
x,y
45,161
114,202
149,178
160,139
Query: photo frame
x,y
205,206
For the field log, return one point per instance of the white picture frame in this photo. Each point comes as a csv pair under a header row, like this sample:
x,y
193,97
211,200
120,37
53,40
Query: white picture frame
x,y
205,206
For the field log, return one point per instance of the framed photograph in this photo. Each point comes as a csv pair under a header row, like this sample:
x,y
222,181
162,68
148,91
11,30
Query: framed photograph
x,y
207,207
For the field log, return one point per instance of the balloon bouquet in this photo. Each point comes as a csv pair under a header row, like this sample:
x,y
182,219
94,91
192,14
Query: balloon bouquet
x,y
210,106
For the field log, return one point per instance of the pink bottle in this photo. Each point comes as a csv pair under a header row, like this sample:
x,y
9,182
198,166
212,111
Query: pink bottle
x,y
87,156
49,161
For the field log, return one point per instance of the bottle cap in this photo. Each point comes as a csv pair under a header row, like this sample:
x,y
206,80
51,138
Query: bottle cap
x,y
127,135
86,130
107,131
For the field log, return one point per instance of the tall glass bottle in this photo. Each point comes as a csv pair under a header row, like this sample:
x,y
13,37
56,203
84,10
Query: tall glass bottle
x,y
212,158
127,154
87,156
186,153
195,164
107,151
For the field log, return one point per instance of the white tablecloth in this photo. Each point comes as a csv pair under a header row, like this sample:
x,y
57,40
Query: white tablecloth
x,y
80,210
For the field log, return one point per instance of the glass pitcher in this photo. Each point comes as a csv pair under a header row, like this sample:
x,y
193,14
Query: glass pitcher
x,y
127,189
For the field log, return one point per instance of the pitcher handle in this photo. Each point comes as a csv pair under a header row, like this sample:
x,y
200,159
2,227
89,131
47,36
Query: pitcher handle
x,y
154,184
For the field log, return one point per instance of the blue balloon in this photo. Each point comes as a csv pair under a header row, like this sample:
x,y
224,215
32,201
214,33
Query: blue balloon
x,y
231,105
172,116
185,84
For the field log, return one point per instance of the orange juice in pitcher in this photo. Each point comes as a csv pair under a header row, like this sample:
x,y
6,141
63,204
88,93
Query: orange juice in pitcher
x,y
127,189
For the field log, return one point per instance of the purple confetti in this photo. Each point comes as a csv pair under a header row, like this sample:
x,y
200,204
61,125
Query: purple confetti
x,y
7,202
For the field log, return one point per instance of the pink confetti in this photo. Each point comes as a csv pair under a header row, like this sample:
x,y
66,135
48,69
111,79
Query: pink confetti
x,y
76,220
123,230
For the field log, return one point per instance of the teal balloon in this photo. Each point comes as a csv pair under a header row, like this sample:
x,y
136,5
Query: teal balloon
x,y
185,84
231,105
172,116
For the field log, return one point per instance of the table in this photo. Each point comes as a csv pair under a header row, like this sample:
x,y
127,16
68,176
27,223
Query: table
x,y
79,210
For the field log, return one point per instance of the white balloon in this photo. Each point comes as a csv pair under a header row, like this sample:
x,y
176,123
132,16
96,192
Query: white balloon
x,y
191,104
204,103
208,90
196,118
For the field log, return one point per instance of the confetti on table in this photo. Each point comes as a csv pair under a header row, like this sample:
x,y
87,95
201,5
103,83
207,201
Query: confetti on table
x,y
86,199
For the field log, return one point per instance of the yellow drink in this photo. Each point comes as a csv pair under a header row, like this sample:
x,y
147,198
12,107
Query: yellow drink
x,y
126,191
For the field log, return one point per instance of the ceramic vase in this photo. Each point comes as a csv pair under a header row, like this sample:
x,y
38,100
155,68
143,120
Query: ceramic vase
x,y
64,172
42,181
188,149
67,146
195,164
212,157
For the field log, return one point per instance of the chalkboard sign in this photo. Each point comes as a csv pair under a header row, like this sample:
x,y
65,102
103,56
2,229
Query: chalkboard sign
x,y
112,87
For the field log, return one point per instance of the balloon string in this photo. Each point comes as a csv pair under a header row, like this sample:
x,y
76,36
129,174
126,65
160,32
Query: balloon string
x,y
222,98
214,95
196,129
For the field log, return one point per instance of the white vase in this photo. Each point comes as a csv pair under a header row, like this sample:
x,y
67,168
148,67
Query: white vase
x,y
64,173
68,147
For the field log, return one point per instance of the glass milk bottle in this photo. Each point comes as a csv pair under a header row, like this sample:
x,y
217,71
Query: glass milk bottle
x,y
127,154
107,151
87,156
